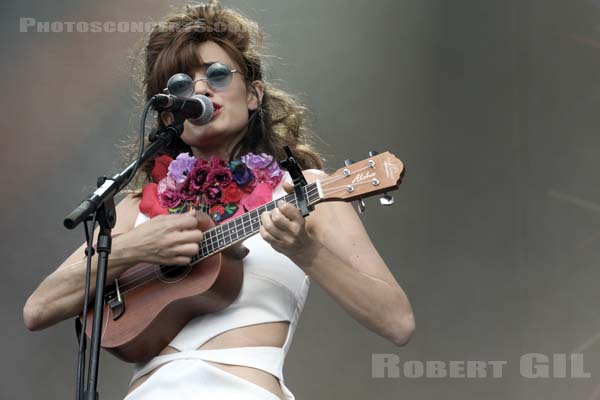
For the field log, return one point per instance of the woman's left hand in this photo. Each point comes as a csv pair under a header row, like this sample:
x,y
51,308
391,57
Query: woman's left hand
x,y
284,229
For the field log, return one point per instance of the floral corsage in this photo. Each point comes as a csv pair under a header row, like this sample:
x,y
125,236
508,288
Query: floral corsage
x,y
223,189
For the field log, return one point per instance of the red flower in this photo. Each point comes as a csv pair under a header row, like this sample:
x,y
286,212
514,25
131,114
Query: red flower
x,y
232,193
149,204
170,199
186,192
197,178
219,175
216,161
212,195
218,208
161,166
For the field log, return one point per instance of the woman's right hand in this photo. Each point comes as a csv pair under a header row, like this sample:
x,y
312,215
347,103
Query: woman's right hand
x,y
171,239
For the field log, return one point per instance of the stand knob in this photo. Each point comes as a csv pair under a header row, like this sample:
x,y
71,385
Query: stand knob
x,y
386,200
360,206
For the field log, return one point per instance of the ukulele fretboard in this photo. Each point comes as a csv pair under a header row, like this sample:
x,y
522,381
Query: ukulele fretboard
x,y
219,237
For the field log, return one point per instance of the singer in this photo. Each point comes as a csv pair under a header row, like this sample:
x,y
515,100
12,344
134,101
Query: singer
x,y
239,352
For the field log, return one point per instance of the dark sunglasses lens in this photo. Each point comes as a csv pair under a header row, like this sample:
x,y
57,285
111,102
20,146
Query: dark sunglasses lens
x,y
218,75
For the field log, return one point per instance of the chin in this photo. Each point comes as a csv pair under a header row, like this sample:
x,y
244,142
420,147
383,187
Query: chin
x,y
209,134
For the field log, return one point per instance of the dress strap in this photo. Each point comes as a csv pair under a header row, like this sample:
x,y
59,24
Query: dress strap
x,y
266,358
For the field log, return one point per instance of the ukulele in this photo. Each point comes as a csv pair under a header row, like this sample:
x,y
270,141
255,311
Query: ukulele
x,y
147,305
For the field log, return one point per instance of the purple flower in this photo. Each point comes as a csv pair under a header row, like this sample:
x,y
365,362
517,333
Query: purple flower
x,y
264,168
240,173
180,167
274,172
257,161
167,183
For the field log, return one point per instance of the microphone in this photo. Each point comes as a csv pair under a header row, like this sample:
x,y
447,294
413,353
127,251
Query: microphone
x,y
198,107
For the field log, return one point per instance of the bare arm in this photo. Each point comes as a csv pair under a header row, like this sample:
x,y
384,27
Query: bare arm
x,y
334,249
164,239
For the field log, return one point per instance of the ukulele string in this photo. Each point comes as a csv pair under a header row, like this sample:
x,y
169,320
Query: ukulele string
x,y
212,240
150,269
169,268
343,188
209,240
312,189
127,286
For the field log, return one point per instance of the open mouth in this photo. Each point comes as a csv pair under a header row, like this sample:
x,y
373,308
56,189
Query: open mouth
x,y
217,110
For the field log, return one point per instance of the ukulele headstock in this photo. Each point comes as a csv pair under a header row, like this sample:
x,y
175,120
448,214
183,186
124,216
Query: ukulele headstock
x,y
380,173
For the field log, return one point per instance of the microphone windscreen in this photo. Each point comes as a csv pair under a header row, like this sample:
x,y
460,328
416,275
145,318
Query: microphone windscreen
x,y
208,109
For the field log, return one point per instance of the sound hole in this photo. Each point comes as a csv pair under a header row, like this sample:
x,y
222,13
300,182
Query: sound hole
x,y
173,273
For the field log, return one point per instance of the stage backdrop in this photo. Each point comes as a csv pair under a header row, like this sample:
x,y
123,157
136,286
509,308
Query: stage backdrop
x,y
494,106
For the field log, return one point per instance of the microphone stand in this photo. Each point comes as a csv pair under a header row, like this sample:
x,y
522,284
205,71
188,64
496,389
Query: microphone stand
x,y
102,204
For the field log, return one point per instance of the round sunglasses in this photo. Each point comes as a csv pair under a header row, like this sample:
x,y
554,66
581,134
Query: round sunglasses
x,y
218,76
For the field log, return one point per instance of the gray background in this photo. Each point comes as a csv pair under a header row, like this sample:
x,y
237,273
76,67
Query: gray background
x,y
492,105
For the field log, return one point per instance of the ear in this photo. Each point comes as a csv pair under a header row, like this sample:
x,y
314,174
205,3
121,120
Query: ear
x,y
167,117
255,95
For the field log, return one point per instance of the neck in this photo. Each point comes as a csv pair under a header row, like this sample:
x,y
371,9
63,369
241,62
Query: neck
x,y
206,152
219,148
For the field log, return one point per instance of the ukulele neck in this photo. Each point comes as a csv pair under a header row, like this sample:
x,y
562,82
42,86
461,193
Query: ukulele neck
x,y
240,228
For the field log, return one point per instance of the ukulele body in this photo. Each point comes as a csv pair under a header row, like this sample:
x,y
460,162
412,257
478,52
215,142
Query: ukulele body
x,y
155,302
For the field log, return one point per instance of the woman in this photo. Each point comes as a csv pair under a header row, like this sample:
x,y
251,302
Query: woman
x,y
237,352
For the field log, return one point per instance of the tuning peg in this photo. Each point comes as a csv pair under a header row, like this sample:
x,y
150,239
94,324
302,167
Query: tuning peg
x,y
348,162
386,200
373,153
361,206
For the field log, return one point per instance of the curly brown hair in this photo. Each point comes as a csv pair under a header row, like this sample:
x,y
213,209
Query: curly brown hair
x,y
172,48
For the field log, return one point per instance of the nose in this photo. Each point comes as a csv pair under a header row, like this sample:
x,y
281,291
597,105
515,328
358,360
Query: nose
x,y
201,87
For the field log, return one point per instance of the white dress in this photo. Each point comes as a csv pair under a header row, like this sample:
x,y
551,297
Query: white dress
x,y
274,289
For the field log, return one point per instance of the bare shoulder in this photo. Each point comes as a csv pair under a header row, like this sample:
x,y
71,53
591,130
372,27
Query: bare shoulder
x,y
313,174
338,226
127,212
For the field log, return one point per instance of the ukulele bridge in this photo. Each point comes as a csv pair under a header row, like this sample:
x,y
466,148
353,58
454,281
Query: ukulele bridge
x,y
115,301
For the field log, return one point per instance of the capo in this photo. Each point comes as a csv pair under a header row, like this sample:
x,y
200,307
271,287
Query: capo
x,y
293,168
